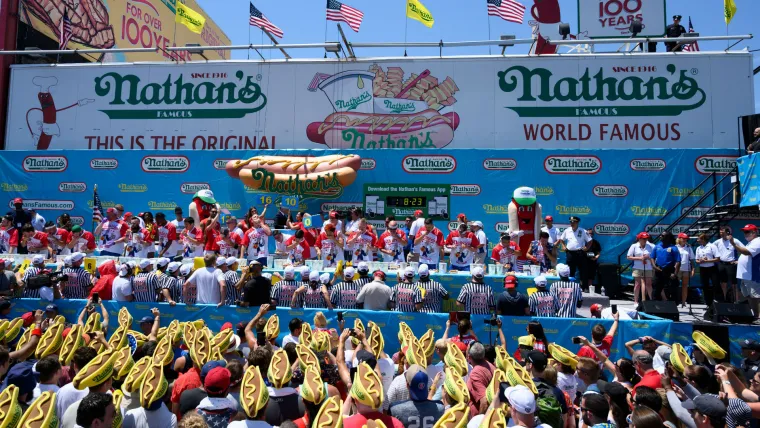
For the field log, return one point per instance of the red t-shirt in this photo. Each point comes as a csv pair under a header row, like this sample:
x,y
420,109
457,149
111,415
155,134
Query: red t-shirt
x,y
62,235
466,339
386,242
186,381
605,347
225,249
358,420
462,254
504,255
309,235
86,241
300,252
651,379
37,243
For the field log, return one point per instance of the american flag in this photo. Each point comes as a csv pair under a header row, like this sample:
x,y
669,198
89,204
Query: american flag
x,y
337,11
97,207
691,47
259,20
65,30
508,10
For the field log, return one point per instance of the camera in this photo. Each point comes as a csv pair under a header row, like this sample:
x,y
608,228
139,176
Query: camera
x,y
491,321
46,279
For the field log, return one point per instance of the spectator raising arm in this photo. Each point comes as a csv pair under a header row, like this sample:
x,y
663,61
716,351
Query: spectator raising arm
x,y
153,336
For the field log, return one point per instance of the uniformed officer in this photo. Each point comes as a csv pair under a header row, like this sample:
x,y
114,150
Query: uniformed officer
x,y
751,361
674,30
576,242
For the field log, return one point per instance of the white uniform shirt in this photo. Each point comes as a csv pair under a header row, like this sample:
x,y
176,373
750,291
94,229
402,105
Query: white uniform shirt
x,y
637,251
726,251
416,226
744,267
553,233
483,240
687,255
122,287
575,240
706,252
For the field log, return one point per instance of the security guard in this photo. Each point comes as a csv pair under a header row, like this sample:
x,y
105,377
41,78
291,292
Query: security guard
x,y
576,242
674,30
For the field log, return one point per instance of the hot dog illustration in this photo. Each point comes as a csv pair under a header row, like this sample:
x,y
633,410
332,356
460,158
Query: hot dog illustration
x,y
547,16
45,122
90,23
294,164
382,108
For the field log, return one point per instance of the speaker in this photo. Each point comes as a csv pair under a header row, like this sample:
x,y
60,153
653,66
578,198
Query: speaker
x,y
662,309
608,278
735,313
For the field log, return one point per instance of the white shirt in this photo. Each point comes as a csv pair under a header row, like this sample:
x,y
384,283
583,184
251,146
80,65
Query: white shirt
x,y
179,225
636,251
567,383
553,233
207,282
248,424
726,251
744,268
706,252
575,239
625,314
416,226
67,396
483,240
338,226
687,255
139,417
375,296
38,222
42,388
289,339
121,288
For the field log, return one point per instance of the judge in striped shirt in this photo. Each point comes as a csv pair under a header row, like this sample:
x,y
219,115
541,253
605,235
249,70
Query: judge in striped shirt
x,y
343,295
145,284
542,303
406,296
80,282
231,277
433,293
568,293
476,297
171,285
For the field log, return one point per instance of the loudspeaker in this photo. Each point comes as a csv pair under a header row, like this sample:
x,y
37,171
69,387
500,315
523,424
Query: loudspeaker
x,y
608,278
735,313
664,309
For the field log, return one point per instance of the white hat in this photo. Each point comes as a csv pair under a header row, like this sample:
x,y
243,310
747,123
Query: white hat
x,y
132,264
363,267
409,272
9,262
78,256
349,272
267,275
563,270
173,266
423,270
540,281
477,272
185,270
67,261
324,278
163,261
304,271
123,270
38,259
144,263
521,399
231,261
290,271
478,223
314,276
221,261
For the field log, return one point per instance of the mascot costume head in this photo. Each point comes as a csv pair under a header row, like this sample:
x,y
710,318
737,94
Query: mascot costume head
x,y
524,218
200,207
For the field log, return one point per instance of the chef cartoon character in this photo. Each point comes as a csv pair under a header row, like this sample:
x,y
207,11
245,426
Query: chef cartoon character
x,y
42,121
200,207
546,25
524,213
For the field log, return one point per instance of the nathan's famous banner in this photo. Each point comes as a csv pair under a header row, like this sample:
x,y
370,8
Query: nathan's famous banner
x,y
618,193
579,102
106,24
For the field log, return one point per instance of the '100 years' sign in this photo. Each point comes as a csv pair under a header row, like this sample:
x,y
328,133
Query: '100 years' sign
x,y
570,102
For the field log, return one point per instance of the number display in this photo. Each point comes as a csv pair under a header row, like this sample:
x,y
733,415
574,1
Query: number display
x,y
406,201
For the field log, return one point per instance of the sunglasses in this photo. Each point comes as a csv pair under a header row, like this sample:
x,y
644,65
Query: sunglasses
x,y
754,382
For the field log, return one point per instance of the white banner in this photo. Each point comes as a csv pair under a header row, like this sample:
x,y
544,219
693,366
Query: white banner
x,y
578,102
613,18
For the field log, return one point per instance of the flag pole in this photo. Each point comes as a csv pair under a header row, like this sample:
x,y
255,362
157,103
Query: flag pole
x,y
406,27
249,40
94,191
488,19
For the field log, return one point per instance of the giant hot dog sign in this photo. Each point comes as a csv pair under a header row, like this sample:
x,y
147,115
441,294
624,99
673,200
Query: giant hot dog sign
x,y
569,102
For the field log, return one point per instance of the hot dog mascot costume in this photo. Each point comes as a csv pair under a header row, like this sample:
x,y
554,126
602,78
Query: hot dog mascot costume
x,y
200,207
525,219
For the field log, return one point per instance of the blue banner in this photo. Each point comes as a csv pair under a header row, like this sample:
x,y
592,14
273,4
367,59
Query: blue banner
x,y
749,185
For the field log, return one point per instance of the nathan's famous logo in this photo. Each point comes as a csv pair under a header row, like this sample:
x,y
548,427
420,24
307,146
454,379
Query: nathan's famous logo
x,y
39,204
648,164
368,164
341,206
660,228
156,205
571,210
133,188
177,98
648,211
325,176
562,164
654,96
221,163
697,212
104,164
501,227
72,187
45,163
544,190
77,220
716,164
500,164
452,226
192,188
104,204
172,164
610,191
495,209
12,187
465,190
611,229
682,192
383,109
429,164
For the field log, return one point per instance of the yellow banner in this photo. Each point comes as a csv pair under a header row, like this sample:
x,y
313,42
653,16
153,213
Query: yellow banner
x,y
106,24
191,19
417,11
729,10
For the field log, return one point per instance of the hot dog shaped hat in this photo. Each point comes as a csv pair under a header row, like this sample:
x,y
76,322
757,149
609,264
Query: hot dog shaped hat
x,y
279,372
10,411
254,395
493,387
330,415
455,387
134,378
455,359
679,358
313,389
306,357
97,371
272,328
368,387
376,340
51,341
306,334
41,414
427,342
501,356
495,418
118,418
321,341
708,346
14,328
456,417
563,355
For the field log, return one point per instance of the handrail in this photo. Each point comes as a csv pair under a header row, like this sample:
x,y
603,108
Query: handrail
x,y
713,208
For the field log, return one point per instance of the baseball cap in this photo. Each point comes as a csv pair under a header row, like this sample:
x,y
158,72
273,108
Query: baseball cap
x,y
478,224
549,218
217,380
749,228
314,276
67,261
22,376
144,263
206,195
38,259
111,211
683,235
595,307
461,215
28,318
173,266
563,269
477,272
643,235
379,274
221,261
289,272
363,267
750,344
417,380
333,214
364,356
123,270
146,319
409,272
521,399
324,278
418,212
304,270
708,405
185,269
423,270
256,263
206,369
538,359
76,228
163,261
231,261
510,281
540,281
349,272
51,307
18,201
575,219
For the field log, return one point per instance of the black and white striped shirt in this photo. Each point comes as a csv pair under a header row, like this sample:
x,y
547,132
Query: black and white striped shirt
x,y
343,295
362,281
543,304
30,272
173,285
406,297
231,279
283,291
312,298
477,298
738,413
433,296
78,285
145,286
568,294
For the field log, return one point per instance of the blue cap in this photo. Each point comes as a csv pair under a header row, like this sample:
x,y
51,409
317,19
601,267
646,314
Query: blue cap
x,y
51,307
22,376
210,366
147,319
417,380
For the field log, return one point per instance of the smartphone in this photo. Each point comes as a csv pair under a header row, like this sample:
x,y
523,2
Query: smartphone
x,y
261,338
577,340
614,309
453,317
340,316
461,315
502,392
353,332
95,298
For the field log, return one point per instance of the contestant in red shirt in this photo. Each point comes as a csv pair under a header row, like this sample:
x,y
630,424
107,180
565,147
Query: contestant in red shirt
x,y
463,245
298,249
429,243
58,239
8,236
35,242
81,241
505,253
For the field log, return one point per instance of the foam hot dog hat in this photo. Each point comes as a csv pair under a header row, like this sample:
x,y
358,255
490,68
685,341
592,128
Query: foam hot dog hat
x,y
93,323
25,337
493,387
223,339
118,339
495,418
455,359
501,356
563,355
10,411
415,354
253,392
455,387
200,349
321,341
279,372
272,327
125,318
376,340
313,389
368,387
71,343
51,341
134,378
306,357
306,335
123,363
174,332
330,415
97,371
163,354
41,414
708,346
13,330
455,417
404,333
679,358
427,342
154,385
517,375
118,418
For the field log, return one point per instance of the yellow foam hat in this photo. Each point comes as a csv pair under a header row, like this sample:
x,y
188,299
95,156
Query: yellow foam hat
x,y
313,388
427,342
154,385
41,414
118,339
253,392
495,418
10,410
376,340
455,417
679,358
272,327
708,346
306,335
97,371
134,378
73,341
13,330
455,359
306,357
51,341
528,340
93,323
118,418
321,341
123,363
563,355
455,386
125,318
492,390
330,415
368,387
415,354
279,372
163,354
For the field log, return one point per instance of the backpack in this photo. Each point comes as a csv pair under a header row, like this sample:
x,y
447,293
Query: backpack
x,y
548,409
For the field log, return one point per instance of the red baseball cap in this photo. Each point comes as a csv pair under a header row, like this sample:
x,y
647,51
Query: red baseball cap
x,y
127,215
418,212
111,211
510,281
28,318
18,201
683,235
461,215
595,307
643,235
379,274
227,326
217,380
749,228
549,218
333,214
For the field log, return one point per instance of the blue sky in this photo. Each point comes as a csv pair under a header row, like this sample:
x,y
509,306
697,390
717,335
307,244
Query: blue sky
x,y
303,21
